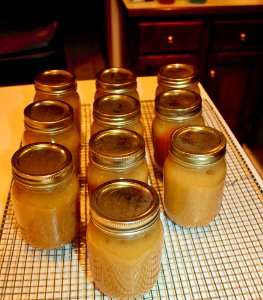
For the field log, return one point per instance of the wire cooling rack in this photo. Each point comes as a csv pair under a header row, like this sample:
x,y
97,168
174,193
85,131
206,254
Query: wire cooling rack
x,y
221,261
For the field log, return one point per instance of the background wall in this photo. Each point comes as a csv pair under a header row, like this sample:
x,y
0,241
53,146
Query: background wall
x,y
84,32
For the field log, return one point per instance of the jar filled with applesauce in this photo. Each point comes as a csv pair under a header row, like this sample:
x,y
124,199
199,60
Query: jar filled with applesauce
x,y
125,238
116,81
45,195
194,175
173,109
52,121
177,76
116,154
116,111
59,85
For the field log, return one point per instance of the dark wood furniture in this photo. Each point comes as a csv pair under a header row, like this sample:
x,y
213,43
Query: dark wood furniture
x,y
224,42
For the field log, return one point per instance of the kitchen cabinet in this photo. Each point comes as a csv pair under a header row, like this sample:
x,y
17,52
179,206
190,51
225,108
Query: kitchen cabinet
x,y
224,42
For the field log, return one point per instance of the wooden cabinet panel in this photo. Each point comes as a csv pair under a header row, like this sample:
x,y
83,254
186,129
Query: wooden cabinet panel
x,y
232,85
167,37
237,35
228,53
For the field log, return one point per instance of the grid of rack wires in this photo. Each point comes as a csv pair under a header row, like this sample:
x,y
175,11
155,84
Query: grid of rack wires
x,y
221,261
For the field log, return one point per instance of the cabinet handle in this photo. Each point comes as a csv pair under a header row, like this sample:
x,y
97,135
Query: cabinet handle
x,y
170,39
243,36
212,73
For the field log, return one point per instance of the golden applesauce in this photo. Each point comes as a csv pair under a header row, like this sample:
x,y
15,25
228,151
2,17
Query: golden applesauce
x,y
173,109
194,175
116,111
116,154
45,195
125,238
59,85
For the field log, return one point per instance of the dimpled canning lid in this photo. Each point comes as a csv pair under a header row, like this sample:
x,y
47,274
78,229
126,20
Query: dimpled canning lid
x,y
124,206
42,165
178,104
48,115
198,145
177,75
115,79
114,109
116,148
56,81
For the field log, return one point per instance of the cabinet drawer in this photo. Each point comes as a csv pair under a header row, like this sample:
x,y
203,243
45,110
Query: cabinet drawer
x,y
167,37
237,35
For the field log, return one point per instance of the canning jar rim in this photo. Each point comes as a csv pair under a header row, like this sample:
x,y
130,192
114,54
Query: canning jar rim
x,y
127,226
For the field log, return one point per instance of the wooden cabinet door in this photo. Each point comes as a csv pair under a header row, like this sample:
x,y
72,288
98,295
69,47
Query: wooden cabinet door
x,y
233,83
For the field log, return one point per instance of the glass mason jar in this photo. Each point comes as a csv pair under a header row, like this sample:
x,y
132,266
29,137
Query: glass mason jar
x,y
116,111
173,109
116,154
116,81
45,195
177,76
52,121
194,175
59,85
125,238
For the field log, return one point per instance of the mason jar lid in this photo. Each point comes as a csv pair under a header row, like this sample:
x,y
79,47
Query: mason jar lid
x,y
177,75
56,82
115,110
116,149
116,80
178,104
198,145
42,165
48,116
124,207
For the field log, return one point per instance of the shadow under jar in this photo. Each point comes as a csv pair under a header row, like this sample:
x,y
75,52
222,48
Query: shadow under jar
x,y
194,175
173,109
116,154
45,195
125,238
52,121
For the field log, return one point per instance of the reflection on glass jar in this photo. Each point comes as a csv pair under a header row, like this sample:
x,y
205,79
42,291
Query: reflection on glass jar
x,y
45,195
52,121
59,85
125,238
119,81
173,109
116,111
116,154
194,175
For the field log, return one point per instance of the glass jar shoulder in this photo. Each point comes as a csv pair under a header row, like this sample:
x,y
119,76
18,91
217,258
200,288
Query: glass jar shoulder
x,y
134,93
135,126
97,176
69,138
174,171
118,246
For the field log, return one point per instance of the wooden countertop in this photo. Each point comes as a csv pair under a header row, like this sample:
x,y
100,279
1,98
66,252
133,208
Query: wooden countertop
x,y
181,7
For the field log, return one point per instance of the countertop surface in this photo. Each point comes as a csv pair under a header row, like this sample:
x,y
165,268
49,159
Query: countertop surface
x,y
220,261
143,8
